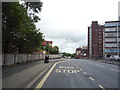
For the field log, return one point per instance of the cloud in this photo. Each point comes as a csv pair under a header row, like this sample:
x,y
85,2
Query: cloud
x,y
66,22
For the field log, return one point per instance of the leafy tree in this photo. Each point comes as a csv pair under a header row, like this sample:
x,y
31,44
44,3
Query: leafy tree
x,y
35,7
51,50
55,50
11,22
19,31
68,54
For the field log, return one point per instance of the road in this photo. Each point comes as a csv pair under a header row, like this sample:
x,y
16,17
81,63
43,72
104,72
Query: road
x,y
80,73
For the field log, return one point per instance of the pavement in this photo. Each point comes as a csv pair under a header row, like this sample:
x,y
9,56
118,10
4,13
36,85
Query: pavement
x,y
24,75
63,73
81,73
115,62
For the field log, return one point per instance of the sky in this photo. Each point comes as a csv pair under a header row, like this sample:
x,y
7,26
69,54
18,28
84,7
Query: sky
x,y
65,22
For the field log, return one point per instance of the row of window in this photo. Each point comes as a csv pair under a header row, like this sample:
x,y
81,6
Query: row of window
x,y
111,34
110,29
112,50
111,39
112,24
111,44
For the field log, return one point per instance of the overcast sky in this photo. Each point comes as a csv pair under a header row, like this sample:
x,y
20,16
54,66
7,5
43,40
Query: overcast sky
x,y
65,22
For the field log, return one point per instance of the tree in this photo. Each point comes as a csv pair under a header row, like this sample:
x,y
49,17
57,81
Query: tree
x,y
55,50
35,7
51,50
68,54
11,22
19,31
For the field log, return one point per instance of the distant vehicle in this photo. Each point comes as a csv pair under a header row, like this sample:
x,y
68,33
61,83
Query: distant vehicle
x,y
114,57
69,57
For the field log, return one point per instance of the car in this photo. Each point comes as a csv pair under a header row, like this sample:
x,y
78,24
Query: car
x,y
69,57
114,57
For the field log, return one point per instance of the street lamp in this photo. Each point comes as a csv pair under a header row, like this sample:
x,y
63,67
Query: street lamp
x,y
118,38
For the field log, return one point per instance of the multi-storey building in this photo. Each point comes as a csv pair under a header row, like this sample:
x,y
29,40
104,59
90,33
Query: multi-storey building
x,y
95,40
112,38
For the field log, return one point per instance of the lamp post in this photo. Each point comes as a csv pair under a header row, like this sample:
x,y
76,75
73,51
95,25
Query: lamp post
x,y
118,38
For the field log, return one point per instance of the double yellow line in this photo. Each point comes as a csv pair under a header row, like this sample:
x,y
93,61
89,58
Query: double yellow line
x,y
46,76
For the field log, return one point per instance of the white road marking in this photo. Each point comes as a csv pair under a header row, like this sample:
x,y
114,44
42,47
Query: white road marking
x,y
81,69
91,78
85,73
71,71
115,70
77,66
99,65
101,87
64,71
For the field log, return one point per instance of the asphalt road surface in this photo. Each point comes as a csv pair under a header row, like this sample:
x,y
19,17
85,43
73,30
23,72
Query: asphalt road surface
x,y
81,73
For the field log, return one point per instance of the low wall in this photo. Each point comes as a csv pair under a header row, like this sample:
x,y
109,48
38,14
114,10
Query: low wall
x,y
9,59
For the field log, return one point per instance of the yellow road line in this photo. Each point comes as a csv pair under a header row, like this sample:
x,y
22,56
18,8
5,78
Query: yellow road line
x,y
91,78
46,76
101,87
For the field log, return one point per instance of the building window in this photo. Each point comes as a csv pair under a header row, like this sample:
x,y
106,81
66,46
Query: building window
x,y
110,44
111,29
111,50
110,39
110,34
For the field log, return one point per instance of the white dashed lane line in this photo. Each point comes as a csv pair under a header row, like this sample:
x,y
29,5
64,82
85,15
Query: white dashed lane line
x,y
99,65
101,87
81,69
77,66
114,70
85,73
91,78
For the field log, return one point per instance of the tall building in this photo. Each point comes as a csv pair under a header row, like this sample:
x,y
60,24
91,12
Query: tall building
x,y
95,40
119,10
112,38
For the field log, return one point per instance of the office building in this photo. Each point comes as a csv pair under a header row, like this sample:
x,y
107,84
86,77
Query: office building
x,y
112,38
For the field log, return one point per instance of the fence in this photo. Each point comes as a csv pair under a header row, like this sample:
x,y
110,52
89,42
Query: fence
x,y
9,59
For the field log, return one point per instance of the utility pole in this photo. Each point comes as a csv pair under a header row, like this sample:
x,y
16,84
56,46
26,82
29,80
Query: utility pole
x,y
61,48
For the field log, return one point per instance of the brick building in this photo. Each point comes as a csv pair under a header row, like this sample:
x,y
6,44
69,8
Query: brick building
x,y
44,44
81,52
95,40
47,43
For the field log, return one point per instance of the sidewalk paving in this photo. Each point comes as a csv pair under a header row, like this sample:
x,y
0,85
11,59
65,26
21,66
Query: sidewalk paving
x,y
21,76
109,62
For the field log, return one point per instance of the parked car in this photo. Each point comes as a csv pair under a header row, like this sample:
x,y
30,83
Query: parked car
x,y
114,57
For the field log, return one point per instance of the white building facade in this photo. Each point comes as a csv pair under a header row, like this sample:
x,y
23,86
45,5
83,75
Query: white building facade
x,y
111,38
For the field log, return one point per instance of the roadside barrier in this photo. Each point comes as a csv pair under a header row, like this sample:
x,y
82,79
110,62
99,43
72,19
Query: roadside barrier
x,y
10,59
